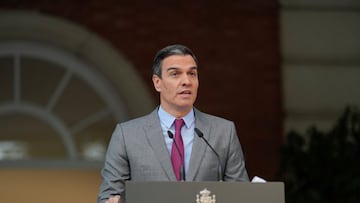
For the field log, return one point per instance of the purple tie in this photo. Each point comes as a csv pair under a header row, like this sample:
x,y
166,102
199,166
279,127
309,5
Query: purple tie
x,y
177,160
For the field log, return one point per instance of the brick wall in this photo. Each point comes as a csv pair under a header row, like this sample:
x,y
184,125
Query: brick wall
x,y
236,43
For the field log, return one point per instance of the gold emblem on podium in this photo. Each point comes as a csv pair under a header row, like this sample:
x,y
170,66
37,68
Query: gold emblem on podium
x,y
205,197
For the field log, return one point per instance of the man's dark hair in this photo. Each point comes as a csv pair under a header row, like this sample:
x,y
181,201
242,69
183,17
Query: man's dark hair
x,y
176,49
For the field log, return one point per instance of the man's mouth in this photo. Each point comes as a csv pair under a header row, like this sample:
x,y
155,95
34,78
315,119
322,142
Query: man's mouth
x,y
185,92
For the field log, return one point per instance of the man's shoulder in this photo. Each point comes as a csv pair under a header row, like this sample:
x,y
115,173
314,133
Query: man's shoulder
x,y
210,117
145,119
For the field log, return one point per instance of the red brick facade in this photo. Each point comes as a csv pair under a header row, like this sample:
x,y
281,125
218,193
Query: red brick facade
x,y
236,43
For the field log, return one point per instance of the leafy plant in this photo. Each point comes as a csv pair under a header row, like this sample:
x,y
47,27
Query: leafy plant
x,y
324,167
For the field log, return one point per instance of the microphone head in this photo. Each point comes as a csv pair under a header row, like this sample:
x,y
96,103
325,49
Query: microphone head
x,y
199,133
170,134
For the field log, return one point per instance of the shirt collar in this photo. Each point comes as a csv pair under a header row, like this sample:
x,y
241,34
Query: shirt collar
x,y
168,119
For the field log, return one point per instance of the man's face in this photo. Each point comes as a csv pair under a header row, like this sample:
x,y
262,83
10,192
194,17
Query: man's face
x,y
179,83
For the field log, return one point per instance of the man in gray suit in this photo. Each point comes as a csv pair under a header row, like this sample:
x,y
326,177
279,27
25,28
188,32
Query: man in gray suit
x,y
142,149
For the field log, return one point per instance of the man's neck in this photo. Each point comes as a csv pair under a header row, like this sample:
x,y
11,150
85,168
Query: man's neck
x,y
177,113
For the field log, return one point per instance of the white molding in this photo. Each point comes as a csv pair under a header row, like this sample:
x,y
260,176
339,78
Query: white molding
x,y
320,4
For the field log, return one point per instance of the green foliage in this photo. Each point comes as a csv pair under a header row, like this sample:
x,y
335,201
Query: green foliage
x,y
324,167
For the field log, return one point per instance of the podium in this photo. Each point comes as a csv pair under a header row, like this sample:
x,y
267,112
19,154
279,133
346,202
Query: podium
x,y
203,192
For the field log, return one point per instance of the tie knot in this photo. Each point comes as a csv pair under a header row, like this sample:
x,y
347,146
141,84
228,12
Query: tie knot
x,y
178,124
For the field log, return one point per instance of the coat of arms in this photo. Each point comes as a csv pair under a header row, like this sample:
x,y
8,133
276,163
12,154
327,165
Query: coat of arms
x,y
205,197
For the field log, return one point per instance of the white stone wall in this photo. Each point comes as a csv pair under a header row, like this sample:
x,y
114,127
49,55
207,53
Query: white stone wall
x,y
320,45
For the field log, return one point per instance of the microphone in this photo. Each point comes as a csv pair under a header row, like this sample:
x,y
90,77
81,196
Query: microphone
x,y
182,169
201,135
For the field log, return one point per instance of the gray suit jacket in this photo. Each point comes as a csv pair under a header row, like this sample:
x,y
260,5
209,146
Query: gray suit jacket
x,y
137,152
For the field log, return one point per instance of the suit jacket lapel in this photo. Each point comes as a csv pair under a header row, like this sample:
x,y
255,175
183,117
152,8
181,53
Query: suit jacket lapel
x,y
199,146
155,137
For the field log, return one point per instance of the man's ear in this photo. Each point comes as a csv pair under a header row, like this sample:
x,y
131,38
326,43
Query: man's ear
x,y
156,80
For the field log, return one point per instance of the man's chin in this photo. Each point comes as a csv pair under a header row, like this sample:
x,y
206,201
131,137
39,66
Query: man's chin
x,y
185,106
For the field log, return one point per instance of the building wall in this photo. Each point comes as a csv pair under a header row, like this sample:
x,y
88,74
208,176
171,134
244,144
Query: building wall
x,y
44,185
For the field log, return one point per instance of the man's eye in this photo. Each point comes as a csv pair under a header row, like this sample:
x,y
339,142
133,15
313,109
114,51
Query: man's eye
x,y
174,74
193,73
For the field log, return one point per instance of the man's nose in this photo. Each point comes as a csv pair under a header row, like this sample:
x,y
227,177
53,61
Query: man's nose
x,y
185,80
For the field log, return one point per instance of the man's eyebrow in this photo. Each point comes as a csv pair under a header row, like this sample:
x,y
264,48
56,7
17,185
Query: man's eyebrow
x,y
172,68
176,68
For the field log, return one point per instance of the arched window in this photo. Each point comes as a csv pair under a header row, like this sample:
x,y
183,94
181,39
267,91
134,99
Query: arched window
x,y
59,104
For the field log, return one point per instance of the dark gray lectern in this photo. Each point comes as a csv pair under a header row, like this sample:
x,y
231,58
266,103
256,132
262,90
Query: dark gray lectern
x,y
190,192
